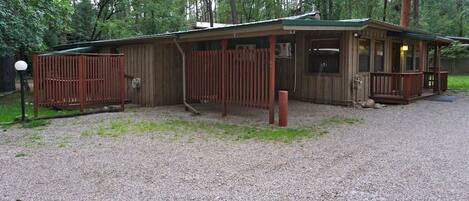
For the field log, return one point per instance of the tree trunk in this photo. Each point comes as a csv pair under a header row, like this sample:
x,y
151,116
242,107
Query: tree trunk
x,y
234,12
416,13
385,9
460,9
405,10
7,73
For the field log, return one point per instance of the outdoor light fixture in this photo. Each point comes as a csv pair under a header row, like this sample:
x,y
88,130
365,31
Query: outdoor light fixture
x,y
21,66
405,47
357,35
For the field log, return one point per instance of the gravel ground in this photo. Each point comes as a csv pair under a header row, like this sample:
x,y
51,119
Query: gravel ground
x,y
413,152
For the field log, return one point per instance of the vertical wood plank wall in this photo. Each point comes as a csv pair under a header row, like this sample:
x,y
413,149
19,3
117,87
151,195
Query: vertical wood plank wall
x,y
167,75
139,61
319,88
159,66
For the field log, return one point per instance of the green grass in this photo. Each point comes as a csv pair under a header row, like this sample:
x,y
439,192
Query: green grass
x,y
10,108
337,120
116,128
458,82
20,154
35,124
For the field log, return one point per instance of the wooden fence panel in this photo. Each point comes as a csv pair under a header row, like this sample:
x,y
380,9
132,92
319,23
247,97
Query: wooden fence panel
x,y
246,77
78,80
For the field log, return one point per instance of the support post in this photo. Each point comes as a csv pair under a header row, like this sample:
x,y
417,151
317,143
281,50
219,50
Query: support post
x,y
272,39
122,80
283,108
436,69
224,45
81,75
36,84
23,115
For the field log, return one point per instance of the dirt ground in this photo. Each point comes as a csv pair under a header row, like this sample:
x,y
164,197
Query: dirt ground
x,y
402,152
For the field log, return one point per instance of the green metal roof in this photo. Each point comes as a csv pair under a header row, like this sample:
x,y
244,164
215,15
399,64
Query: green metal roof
x,y
338,23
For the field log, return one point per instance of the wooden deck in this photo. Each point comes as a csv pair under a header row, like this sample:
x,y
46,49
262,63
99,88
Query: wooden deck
x,y
404,88
390,99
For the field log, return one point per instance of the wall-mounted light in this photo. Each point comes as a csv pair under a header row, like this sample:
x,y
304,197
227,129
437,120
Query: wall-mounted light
x,y
357,35
405,47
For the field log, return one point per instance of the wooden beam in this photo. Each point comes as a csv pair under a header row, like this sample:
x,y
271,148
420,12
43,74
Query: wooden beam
x,y
272,41
224,45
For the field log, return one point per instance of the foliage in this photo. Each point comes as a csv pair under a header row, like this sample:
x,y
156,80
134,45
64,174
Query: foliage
x,y
458,82
35,124
10,108
455,51
32,25
25,24
116,128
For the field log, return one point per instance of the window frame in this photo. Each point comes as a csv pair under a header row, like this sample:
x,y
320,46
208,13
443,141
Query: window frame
x,y
309,47
369,55
383,40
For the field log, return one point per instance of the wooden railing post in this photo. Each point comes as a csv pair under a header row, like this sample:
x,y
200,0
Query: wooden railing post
x,y
372,85
81,75
224,45
272,39
36,84
122,81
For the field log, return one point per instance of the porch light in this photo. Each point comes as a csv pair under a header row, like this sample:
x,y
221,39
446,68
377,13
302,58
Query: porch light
x,y
405,47
21,66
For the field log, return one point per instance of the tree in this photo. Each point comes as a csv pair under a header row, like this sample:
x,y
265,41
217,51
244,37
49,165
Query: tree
x,y
234,12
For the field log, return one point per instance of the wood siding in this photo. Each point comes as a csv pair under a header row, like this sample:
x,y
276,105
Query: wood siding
x,y
159,66
319,88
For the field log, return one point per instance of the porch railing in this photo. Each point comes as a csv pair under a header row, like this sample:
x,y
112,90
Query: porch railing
x,y
78,80
404,86
431,78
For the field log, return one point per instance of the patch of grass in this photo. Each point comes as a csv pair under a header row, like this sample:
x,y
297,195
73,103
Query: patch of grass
x,y
10,108
20,154
337,120
116,128
458,82
35,124
33,137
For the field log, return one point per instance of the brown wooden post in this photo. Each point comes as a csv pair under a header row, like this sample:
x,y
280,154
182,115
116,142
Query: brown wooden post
x,y
81,75
422,61
224,45
438,67
405,10
122,80
435,68
272,39
36,84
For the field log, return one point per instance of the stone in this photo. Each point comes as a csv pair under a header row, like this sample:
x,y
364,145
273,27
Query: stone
x,y
379,106
370,103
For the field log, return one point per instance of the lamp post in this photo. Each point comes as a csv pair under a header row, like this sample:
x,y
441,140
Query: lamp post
x,y
21,66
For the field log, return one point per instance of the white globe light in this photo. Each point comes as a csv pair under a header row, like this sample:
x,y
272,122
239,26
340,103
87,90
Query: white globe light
x,y
21,65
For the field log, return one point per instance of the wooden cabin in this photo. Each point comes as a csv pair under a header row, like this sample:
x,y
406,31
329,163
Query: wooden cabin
x,y
336,62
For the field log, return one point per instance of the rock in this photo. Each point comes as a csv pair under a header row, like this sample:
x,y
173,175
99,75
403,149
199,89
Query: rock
x,y
370,103
379,106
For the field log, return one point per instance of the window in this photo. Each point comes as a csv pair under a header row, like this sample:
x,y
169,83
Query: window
x,y
324,56
417,58
364,55
409,62
379,56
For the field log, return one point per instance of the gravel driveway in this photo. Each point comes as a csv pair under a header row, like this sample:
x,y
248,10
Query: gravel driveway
x,y
413,152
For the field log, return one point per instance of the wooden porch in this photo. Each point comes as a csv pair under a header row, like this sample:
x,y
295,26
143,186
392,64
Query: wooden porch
x,y
403,88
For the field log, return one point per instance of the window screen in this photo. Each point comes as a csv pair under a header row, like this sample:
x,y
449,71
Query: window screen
x,y
379,56
324,56
364,55
409,63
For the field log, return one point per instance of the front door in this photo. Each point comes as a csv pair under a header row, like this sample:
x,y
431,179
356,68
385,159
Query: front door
x,y
396,57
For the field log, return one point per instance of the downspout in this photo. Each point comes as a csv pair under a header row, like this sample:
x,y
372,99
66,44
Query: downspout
x,y
184,79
